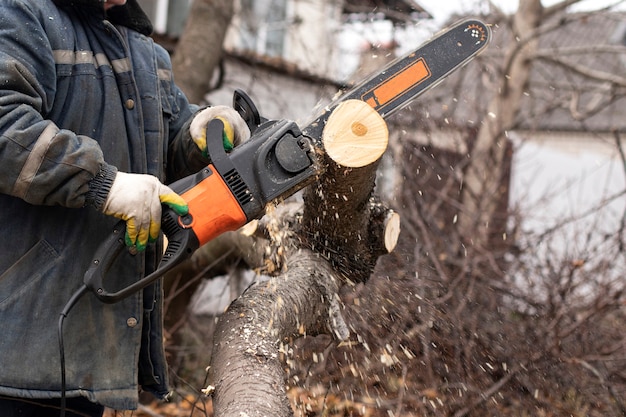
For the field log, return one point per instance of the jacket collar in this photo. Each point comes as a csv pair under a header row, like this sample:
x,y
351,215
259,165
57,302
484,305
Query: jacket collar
x,y
130,15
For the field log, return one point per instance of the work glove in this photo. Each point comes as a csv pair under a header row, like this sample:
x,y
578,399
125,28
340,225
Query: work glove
x,y
136,199
235,129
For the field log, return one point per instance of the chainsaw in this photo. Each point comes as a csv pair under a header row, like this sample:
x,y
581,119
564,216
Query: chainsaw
x,y
279,159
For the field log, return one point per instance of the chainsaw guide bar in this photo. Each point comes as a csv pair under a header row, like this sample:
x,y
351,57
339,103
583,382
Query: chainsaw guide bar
x,y
408,77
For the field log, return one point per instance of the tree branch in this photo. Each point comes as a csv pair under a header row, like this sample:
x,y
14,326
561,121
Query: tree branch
x,y
584,70
246,364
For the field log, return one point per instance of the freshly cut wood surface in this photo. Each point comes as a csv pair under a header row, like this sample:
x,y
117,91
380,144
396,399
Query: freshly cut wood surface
x,y
355,135
392,231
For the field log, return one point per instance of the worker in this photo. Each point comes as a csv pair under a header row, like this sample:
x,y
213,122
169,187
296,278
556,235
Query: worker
x,y
92,126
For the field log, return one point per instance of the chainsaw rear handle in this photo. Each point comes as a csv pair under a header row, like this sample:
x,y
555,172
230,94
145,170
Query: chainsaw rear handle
x,y
210,217
211,213
181,245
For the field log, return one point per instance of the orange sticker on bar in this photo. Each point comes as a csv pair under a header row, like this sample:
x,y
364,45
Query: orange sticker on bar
x,y
395,86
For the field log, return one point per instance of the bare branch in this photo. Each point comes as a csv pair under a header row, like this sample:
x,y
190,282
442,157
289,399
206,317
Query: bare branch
x,y
559,7
487,394
584,51
616,397
622,154
583,70
562,6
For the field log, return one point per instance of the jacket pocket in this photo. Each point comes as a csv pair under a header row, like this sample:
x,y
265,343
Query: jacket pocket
x,y
27,271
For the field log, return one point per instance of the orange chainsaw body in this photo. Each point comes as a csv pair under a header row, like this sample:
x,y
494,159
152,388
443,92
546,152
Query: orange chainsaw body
x,y
212,208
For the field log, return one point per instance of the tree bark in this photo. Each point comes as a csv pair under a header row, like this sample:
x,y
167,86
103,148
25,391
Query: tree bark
x,y
199,49
246,365
483,177
342,232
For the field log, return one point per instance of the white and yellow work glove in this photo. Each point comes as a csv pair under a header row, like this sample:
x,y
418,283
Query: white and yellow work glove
x,y
136,199
235,129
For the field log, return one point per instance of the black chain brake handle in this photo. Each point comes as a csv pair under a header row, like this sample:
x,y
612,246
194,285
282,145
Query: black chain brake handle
x,y
246,108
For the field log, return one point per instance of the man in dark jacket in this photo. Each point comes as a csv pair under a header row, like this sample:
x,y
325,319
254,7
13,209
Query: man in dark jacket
x,y
91,127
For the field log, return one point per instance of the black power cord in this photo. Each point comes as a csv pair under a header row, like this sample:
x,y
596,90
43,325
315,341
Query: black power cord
x,y
72,301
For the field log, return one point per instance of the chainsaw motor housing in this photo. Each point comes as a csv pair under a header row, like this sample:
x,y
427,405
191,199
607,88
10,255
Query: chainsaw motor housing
x,y
275,163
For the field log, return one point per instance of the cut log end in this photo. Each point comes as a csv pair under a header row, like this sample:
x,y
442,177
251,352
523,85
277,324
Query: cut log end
x,y
355,135
392,231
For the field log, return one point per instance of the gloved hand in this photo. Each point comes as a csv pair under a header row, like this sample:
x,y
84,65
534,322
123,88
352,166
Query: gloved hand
x,y
137,198
235,129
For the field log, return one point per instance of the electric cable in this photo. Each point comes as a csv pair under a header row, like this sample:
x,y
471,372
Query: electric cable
x,y
72,301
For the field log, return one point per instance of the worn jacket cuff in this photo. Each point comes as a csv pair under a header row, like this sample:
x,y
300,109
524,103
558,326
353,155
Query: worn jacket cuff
x,y
100,186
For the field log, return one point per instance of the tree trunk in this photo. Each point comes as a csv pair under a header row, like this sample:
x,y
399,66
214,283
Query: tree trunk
x,y
220,256
482,181
246,365
199,49
342,233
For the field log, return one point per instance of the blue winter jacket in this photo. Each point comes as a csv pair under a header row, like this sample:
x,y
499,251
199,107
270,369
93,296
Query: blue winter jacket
x,y
81,93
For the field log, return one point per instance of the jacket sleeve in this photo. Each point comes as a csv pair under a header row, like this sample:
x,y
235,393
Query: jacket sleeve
x,y
183,156
39,162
